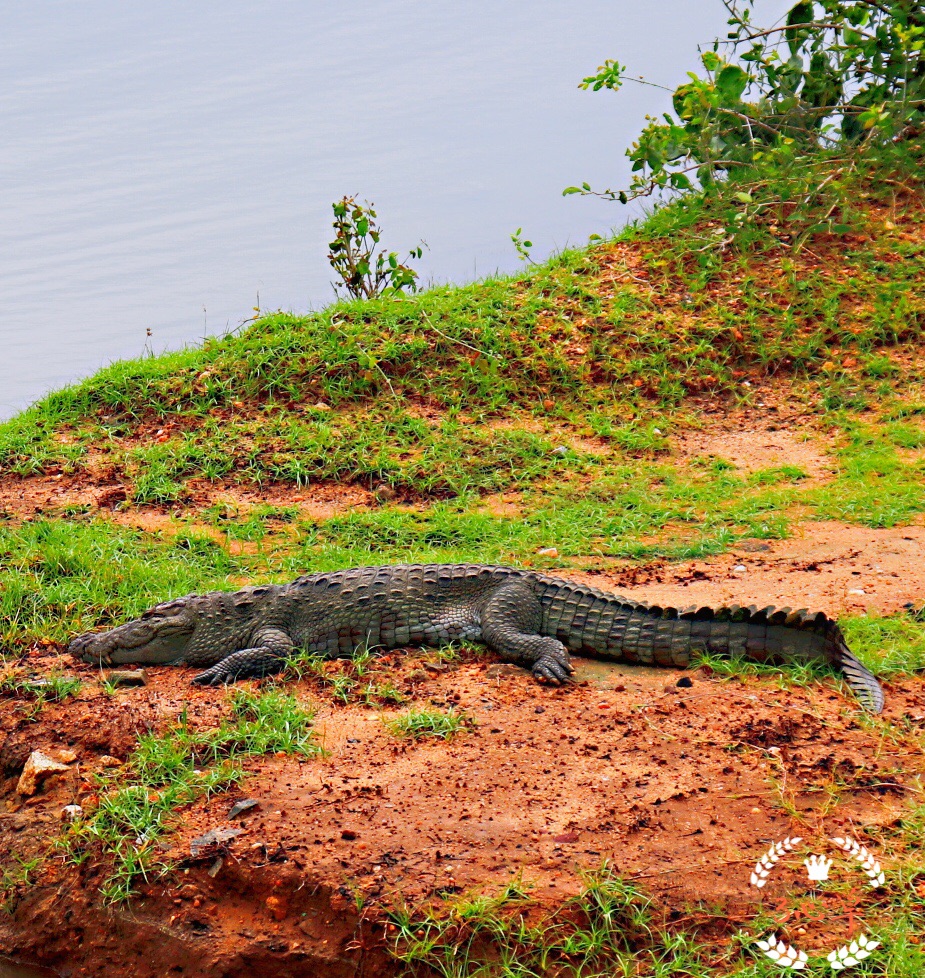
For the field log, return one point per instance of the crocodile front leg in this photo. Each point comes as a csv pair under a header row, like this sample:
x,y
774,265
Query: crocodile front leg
x,y
511,620
271,648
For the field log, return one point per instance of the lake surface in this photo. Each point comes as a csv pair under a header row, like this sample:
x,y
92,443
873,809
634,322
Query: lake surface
x,y
163,165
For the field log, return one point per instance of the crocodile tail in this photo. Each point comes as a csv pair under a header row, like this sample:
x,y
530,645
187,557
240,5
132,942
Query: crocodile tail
x,y
609,626
808,636
859,677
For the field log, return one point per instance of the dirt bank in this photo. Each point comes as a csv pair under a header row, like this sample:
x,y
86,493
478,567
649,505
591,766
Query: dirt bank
x,y
680,787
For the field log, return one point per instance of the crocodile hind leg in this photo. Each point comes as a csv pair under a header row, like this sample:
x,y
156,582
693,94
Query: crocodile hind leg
x,y
511,619
271,649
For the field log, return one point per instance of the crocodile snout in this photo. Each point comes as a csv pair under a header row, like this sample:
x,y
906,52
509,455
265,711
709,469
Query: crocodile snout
x,y
90,648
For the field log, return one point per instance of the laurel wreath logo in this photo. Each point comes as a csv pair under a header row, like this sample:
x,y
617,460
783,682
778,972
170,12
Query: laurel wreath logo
x,y
817,867
771,858
865,859
853,953
785,955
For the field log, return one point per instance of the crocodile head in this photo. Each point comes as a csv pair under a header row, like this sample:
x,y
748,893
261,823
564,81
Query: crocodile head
x,y
158,636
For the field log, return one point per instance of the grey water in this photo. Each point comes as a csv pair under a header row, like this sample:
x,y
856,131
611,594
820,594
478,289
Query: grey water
x,y
166,167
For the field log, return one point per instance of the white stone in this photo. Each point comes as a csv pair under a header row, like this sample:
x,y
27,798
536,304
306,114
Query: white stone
x,y
39,767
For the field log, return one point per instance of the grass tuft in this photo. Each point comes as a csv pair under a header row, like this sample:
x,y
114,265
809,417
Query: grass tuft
x,y
417,724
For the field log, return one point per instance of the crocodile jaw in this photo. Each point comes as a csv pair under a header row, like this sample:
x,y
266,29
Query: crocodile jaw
x,y
162,635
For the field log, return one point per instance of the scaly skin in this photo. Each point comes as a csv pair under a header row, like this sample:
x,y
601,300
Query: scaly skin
x,y
528,618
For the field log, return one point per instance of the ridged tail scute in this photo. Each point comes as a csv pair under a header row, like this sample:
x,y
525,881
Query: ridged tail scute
x,y
610,626
861,680
779,634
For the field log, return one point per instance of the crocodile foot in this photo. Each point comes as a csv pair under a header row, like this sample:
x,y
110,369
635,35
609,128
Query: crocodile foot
x,y
554,669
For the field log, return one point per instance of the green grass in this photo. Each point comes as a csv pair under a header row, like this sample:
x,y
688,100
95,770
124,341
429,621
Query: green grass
x,y
419,723
890,644
613,928
475,389
33,693
610,928
139,802
14,880
52,688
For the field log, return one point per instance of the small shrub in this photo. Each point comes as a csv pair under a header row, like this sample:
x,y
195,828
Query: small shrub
x,y
363,268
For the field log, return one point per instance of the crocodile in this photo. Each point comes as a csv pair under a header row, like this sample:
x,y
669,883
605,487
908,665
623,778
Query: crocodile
x,y
529,618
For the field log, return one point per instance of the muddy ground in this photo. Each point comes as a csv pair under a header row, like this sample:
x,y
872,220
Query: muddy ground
x,y
680,780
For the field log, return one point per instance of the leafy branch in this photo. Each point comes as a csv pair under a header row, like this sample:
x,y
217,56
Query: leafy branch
x,y
365,270
837,75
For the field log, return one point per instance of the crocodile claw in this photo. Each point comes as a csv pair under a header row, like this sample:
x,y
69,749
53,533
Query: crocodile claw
x,y
553,670
216,676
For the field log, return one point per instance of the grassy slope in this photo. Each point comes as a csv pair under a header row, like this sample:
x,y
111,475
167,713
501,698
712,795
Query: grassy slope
x,y
558,389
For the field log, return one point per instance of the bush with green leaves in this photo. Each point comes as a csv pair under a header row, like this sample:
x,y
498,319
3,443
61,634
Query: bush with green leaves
x,y
365,270
837,79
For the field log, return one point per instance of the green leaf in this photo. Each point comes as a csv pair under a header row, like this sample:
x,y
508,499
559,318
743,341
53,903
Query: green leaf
x,y
711,60
800,13
570,190
732,82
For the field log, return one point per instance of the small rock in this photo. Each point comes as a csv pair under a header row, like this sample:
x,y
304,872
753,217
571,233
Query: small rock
x,y
436,666
107,760
548,552
348,834
127,677
539,709
566,837
71,813
560,450
66,756
685,682
385,493
753,546
245,804
321,406
39,767
857,590
739,568
502,669
214,837
277,906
